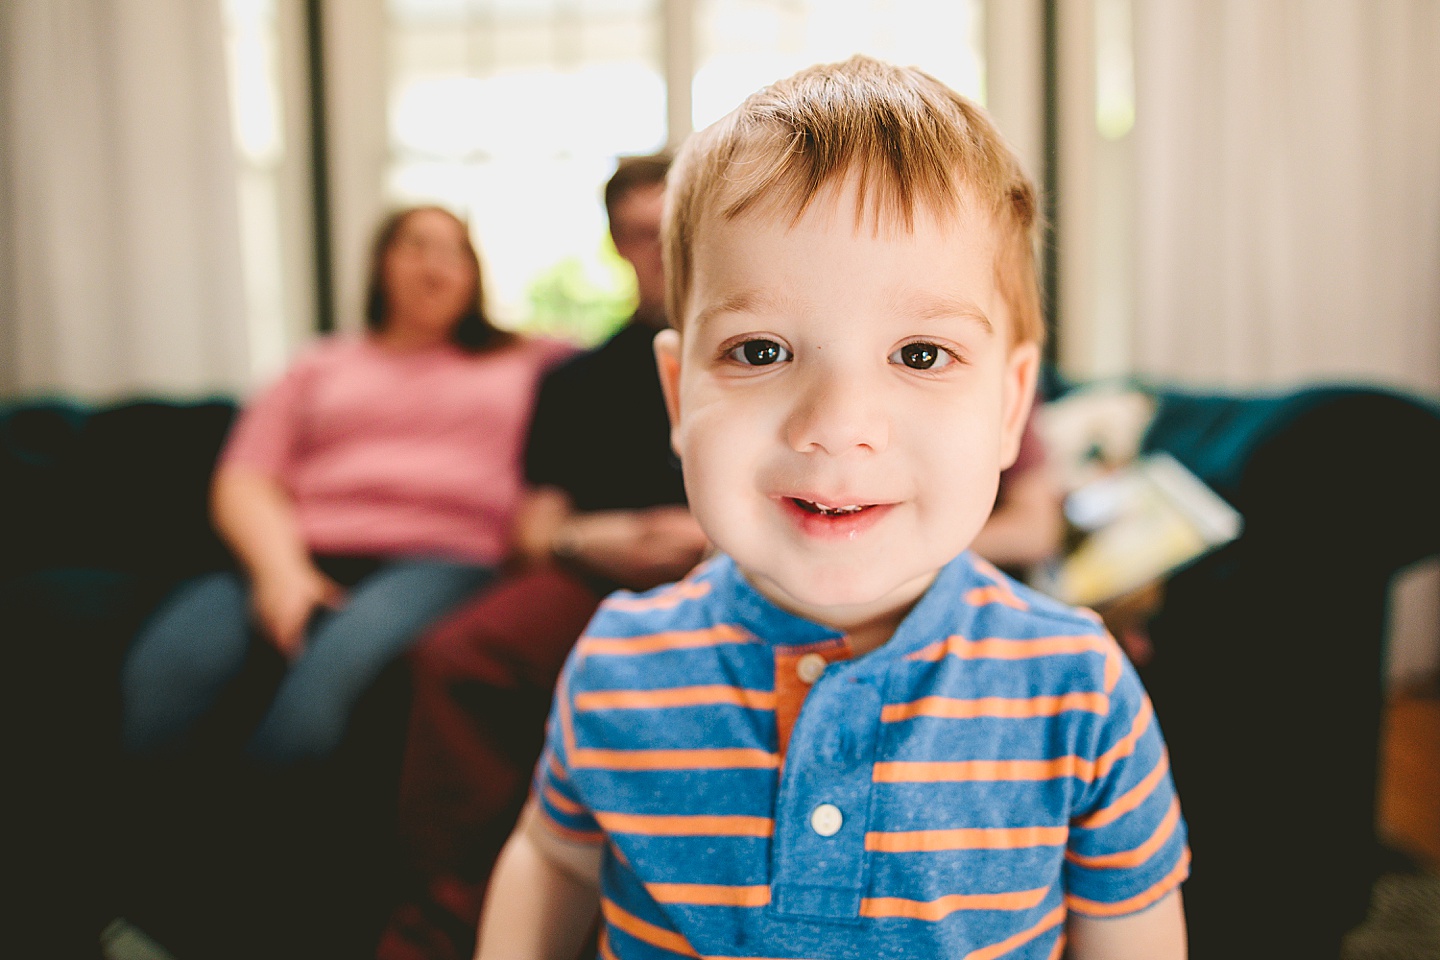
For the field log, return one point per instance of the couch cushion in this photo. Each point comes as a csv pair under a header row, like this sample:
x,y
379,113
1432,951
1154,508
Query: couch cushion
x,y
121,487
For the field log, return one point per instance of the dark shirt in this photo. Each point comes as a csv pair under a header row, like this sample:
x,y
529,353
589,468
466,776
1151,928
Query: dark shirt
x,y
600,432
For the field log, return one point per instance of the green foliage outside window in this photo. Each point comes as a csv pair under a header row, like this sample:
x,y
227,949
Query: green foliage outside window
x,y
582,301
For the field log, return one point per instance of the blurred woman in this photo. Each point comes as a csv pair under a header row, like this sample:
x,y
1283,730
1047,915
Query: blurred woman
x,y
364,494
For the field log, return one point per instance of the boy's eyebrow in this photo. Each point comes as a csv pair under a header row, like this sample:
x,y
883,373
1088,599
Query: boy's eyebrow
x,y
746,301
935,306
921,307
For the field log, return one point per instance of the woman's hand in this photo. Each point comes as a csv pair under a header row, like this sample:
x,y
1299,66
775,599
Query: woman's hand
x,y
254,515
284,602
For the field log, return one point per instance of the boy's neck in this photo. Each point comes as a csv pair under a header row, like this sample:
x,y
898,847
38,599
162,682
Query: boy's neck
x,y
864,629
871,636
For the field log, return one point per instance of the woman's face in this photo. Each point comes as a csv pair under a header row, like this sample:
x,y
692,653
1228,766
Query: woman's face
x,y
429,277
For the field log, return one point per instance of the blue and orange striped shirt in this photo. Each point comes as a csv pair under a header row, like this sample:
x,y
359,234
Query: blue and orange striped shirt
x,y
952,793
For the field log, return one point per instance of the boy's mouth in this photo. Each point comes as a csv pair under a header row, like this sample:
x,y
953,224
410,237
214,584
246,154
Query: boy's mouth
x,y
834,520
810,506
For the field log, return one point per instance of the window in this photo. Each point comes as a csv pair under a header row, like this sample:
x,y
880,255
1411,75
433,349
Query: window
x,y
262,41
512,113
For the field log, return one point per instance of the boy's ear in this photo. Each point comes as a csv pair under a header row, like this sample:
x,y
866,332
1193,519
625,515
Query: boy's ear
x,y
667,363
1022,368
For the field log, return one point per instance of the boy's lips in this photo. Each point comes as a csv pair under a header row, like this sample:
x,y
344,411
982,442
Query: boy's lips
x,y
839,517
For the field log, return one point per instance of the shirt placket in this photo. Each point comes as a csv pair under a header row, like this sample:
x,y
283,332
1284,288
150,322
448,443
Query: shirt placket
x,y
818,863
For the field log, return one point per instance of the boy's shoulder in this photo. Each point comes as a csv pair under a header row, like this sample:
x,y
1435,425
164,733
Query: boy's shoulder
x,y
985,596
687,604
975,599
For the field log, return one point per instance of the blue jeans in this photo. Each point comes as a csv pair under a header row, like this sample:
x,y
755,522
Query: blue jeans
x,y
197,643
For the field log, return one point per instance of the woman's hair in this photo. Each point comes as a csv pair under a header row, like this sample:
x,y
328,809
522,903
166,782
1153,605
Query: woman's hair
x,y
474,332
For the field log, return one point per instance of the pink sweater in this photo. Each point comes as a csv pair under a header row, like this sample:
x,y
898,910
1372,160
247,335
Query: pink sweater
x,y
389,453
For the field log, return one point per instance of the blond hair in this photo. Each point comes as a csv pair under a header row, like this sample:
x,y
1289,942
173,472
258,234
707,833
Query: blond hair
x,y
909,140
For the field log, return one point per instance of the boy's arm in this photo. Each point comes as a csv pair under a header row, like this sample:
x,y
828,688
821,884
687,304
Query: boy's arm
x,y
543,896
1157,933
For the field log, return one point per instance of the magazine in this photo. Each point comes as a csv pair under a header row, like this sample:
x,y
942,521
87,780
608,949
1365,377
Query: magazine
x,y
1134,526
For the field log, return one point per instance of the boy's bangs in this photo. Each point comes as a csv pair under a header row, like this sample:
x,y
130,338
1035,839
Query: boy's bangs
x,y
908,143
780,172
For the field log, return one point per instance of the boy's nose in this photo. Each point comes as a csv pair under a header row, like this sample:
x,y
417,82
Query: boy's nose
x,y
837,415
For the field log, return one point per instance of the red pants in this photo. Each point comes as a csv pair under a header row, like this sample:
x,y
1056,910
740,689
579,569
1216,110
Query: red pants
x,y
483,679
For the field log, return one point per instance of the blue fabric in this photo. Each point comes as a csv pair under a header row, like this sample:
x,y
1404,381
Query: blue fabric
x,y
995,764
196,645
1216,434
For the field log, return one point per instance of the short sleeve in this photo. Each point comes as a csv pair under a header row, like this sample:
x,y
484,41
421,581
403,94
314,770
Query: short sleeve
x,y
266,435
555,793
1127,845
548,448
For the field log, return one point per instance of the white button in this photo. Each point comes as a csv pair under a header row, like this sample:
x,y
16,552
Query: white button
x,y
826,819
809,667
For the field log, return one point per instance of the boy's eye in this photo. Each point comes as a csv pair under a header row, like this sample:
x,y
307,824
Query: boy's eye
x,y
759,353
921,356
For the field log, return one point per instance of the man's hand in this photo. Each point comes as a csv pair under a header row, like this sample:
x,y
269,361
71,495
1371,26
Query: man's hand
x,y
285,601
638,549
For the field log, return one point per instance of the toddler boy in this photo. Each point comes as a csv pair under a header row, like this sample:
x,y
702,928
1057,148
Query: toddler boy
x,y
845,735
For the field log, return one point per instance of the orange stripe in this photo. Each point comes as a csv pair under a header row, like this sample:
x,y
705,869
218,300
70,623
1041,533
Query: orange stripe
x,y
557,771
977,838
715,759
1048,922
1137,856
659,642
988,570
1128,800
665,600
562,803
709,895
643,930
1125,746
926,771
1058,951
1112,664
1138,902
675,697
604,946
687,826
1018,708
1000,648
942,908
980,596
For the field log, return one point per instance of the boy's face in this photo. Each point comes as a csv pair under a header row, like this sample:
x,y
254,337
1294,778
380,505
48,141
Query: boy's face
x,y
843,401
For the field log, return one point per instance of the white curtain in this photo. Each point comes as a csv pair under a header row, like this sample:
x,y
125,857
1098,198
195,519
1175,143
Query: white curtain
x,y
120,267
1288,191
1288,210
